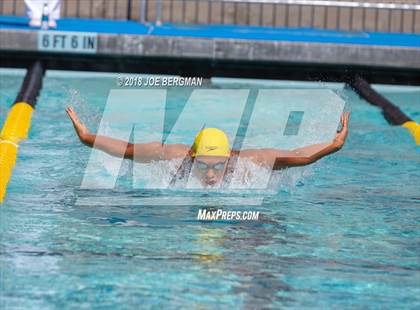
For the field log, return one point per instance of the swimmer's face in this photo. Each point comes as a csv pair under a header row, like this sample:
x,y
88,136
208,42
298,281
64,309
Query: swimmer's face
x,y
210,169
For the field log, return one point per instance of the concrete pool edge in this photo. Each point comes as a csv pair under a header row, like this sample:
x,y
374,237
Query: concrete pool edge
x,y
222,49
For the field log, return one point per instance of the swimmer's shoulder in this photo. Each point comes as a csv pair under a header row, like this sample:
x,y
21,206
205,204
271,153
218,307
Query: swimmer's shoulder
x,y
175,151
262,157
248,153
253,155
151,151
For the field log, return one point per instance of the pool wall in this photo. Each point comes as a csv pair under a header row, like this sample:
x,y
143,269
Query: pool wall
x,y
224,44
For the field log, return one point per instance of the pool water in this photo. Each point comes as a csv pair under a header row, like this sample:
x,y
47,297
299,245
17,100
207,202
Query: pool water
x,y
342,233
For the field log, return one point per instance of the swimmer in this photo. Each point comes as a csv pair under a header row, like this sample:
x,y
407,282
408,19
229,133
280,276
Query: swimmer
x,y
210,152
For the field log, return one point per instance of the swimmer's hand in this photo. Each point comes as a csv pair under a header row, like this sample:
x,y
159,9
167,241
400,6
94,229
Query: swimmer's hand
x,y
81,129
341,136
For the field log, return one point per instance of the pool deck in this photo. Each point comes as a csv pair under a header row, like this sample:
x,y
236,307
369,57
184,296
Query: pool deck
x,y
226,42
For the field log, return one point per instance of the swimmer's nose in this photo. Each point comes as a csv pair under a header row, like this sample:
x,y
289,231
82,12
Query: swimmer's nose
x,y
210,173
211,177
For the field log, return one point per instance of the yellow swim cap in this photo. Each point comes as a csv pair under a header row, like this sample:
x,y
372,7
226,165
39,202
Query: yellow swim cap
x,y
211,142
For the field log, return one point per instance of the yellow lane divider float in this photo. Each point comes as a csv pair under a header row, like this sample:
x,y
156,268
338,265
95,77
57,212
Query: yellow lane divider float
x,y
17,123
414,129
15,129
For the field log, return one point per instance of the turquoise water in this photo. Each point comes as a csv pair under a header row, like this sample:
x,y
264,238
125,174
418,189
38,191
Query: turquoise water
x,y
342,233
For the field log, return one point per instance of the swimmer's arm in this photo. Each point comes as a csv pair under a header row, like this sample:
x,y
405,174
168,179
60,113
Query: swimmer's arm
x,y
109,145
278,159
310,154
140,152
316,151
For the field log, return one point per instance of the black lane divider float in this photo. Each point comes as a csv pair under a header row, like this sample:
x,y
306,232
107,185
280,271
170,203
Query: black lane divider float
x,y
18,122
391,112
31,85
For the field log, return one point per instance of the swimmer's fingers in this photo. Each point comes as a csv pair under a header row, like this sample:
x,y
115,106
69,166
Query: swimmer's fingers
x,y
345,119
73,116
70,113
340,129
69,110
341,136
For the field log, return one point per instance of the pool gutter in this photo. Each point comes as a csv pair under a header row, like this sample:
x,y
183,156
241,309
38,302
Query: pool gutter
x,y
223,50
